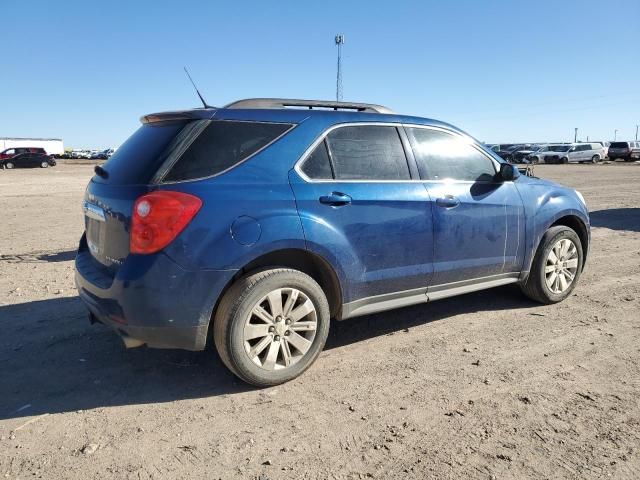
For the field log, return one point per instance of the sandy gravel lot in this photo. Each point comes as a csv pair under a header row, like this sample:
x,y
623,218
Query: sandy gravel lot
x,y
489,385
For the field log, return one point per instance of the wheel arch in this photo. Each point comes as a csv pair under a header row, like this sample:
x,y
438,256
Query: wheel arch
x,y
298,259
576,224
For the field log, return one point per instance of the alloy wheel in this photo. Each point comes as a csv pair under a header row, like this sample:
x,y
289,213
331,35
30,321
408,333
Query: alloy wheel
x,y
561,266
280,329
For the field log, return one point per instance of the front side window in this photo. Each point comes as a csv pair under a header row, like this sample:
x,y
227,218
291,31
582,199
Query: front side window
x,y
367,152
441,156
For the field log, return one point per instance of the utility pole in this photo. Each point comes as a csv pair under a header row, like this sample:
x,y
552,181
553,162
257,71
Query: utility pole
x,y
636,132
339,42
615,135
575,135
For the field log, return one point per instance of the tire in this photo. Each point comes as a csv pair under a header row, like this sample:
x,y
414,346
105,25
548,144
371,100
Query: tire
x,y
235,317
44,165
534,160
536,287
8,165
564,160
595,159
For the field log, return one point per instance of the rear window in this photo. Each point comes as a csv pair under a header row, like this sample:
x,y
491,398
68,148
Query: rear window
x,y
137,160
222,145
619,145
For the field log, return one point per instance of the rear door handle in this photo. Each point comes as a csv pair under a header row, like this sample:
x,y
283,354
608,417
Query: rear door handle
x,y
335,199
448,201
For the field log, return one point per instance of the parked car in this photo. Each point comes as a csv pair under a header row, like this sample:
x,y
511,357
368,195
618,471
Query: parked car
x,y
626,151
506,151
27,159
81,154
12,152
257,226
102,154
522,155
572,153
605,146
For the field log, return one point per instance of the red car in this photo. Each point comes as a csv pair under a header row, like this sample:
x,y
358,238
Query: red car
x,y
25,157
11,152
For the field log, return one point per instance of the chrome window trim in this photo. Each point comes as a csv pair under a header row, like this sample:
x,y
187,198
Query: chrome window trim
x,y
298,165
300,162
472,143
211,120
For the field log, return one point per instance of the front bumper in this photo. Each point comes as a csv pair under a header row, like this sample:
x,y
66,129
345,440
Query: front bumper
x,y
150,299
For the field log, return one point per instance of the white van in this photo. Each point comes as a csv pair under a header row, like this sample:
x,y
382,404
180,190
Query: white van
x,y
574,153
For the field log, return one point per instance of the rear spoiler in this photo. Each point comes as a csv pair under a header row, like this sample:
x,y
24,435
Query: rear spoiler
x,y
178,115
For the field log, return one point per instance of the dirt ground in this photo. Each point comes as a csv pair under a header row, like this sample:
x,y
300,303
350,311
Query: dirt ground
x,y
488,385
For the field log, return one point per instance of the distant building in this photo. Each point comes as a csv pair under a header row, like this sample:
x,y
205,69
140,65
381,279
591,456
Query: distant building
x,y
53,146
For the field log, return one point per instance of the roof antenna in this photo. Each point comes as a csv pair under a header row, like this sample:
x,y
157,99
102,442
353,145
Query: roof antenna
x,y
196,88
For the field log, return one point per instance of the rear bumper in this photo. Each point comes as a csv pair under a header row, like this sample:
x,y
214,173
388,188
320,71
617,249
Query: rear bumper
x,y
151,300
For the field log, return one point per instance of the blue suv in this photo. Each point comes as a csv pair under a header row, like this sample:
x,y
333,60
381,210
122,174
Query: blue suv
x,y
251,226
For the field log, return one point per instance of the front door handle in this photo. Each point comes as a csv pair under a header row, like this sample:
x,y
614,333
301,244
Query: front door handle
x,y
335,199
448,201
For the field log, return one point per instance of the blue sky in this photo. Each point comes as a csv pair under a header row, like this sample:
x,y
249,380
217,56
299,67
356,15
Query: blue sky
x,y
505,71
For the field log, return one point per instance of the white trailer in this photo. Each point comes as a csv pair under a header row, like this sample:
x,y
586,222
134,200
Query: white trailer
x,y
53,146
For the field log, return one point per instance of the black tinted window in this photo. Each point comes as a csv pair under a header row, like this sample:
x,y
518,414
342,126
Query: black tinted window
x,y
222,145
140,156
369,152
441,155
619,145
317,165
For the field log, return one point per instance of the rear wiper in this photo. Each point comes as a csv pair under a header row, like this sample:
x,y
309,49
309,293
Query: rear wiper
x,y
101,172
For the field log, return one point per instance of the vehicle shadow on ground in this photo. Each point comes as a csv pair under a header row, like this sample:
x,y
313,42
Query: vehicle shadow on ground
x,y
36,257
54,361
617,219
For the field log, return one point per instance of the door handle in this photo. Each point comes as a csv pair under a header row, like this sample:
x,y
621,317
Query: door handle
x,y
335,199
448,201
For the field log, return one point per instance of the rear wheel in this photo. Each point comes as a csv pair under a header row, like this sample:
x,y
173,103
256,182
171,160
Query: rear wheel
x,y
556,267
271,326
595,159
564,160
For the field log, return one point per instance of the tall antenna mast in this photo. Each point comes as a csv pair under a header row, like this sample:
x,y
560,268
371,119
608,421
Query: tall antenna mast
x,y
339,42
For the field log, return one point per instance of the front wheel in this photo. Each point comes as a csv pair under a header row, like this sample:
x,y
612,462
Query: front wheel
x,y
8,165
44,165
271,326
564,160
556,267
595,159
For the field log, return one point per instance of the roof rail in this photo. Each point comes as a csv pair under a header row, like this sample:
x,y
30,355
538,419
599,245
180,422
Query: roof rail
x,y
274,103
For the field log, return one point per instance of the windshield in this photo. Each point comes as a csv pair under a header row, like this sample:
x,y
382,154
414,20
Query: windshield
x,y
619,145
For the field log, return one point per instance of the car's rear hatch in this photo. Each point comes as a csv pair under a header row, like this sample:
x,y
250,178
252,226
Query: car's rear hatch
x,y
169,148
111,193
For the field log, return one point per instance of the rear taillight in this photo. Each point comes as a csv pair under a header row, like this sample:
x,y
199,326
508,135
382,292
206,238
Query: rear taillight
x,y
158,218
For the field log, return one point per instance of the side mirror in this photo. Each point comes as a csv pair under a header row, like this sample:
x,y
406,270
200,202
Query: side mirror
x,y
508,172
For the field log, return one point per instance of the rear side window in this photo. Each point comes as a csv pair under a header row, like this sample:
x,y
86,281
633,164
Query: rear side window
x,y
440,156
368,152
222,145
317,166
